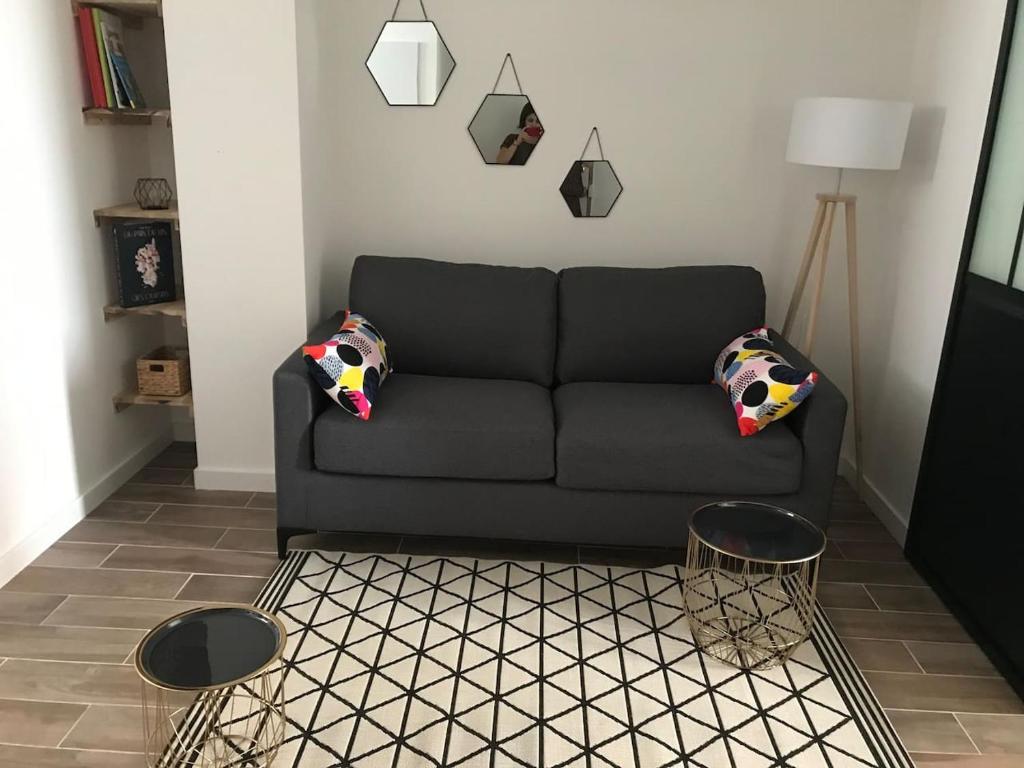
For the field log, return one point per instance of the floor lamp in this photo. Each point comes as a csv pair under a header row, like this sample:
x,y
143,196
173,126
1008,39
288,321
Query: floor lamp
x,y
841,133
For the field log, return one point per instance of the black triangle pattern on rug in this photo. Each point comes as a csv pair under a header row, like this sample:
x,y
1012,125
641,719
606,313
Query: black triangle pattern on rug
x,y
397,660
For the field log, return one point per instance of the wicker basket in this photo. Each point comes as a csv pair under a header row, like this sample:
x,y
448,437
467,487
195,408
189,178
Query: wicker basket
x,y
164,371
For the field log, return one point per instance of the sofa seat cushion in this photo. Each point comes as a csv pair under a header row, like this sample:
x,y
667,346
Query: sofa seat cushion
x,y
437,426
667,437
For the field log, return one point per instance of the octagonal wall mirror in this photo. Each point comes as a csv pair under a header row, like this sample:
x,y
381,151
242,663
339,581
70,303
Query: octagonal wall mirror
x,y
506,128
591,187
410,62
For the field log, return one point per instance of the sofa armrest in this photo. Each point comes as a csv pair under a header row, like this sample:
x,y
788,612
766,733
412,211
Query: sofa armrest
x,y
298,400
819,422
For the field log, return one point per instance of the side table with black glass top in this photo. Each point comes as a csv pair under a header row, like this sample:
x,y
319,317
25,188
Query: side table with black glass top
x,y
212,688
751,576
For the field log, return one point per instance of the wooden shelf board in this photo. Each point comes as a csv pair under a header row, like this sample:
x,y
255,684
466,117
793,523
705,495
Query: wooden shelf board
x,y
133,211
124,7
128,399
97,115
167,308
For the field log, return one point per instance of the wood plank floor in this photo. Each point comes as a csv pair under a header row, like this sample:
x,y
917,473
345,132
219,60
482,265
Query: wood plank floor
x,y
69,621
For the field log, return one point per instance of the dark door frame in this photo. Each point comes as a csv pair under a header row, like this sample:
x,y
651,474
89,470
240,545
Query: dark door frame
x,y
913,547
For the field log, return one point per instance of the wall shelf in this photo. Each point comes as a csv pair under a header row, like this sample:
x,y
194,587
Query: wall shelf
x,y
145,15
167,309
128,399
133,211
137,8
104,115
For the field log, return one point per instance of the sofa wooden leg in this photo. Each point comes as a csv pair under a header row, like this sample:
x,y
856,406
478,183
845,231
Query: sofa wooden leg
x,y
283,534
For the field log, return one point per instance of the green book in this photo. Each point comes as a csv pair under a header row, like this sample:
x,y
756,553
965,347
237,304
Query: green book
x,y
104,66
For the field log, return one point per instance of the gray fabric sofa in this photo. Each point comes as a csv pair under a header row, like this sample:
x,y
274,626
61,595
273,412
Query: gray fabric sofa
x,y
524,404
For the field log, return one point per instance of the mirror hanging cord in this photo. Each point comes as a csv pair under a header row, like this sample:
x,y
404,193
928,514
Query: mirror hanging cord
x,y
590,138
506,60
422,8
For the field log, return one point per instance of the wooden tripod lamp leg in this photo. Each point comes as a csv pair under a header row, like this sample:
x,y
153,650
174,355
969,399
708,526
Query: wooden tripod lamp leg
x,y
823,222
812,321
805,268
851,267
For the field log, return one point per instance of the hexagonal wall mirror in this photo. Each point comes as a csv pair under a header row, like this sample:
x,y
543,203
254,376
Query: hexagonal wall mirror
x,y
591,187
410,62
506,128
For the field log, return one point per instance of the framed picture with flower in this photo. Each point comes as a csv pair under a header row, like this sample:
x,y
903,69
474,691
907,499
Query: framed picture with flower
x,y
144,262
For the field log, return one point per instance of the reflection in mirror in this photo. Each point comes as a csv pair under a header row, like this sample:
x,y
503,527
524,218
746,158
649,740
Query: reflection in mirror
x,y
410,63
506,129
590,188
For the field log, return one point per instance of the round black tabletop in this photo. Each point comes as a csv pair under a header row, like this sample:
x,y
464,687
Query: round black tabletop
x,y
210,648
759,532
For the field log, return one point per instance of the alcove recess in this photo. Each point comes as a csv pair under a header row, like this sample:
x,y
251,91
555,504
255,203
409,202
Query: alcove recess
x,y
148,129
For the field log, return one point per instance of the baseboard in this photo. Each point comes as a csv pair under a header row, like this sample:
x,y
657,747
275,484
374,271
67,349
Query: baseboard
x,y
889,516
46,533
208,479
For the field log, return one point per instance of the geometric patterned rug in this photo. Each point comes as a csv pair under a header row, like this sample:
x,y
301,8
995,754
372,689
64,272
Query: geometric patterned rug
x,y
397,660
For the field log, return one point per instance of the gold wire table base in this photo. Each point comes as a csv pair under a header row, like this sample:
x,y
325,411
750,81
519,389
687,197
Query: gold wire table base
x,y
239,725
747,613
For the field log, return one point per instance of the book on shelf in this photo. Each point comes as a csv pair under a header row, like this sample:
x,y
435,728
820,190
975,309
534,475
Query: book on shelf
x,y
111,81
90,55
111,29
113,37
101,50
144,262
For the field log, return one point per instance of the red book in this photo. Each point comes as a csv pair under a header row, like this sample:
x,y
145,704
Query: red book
x,y
92,58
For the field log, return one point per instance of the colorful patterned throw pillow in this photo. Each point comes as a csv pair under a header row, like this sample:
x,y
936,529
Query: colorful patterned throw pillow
x,y
762,386
351,365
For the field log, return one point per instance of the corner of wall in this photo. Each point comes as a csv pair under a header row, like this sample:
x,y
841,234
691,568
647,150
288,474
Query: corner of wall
x,y
56,525
895,522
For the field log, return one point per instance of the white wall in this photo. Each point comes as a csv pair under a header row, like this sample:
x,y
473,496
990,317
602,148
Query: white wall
x,y
63,447
907,283
315,87
692,99
239,174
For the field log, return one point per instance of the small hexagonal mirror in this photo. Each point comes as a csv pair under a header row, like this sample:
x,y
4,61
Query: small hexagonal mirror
x,y
506,129
591,188
410,63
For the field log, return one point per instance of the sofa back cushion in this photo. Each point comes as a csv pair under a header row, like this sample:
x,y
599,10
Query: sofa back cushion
x,y
652,325
469,320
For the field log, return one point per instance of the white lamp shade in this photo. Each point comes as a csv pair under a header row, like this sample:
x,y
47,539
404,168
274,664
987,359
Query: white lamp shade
x,y
849,133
